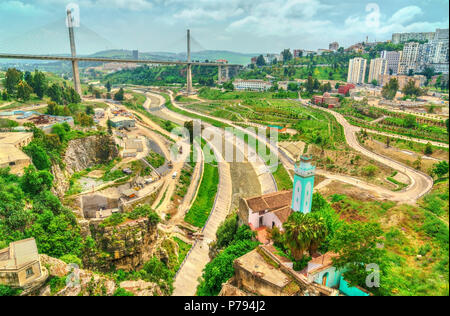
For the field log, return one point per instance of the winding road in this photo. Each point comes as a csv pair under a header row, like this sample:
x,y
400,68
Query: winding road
x,y
420,183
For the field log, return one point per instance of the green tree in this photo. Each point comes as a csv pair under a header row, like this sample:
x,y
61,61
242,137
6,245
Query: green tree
x,y
228,86
24,91
318,232
220,269
108,86
39,156
411,90
389,91
39,84
357,246
120,95
11,81
189,125
260,61
33,182
440,169
55,93
287,55
90,110
410,121
297,234
428,149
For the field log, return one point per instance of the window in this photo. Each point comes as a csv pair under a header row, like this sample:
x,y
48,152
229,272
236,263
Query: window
x,y
12,163
30,272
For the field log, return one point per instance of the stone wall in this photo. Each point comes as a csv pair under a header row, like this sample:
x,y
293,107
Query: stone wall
x,y
127,246
82,154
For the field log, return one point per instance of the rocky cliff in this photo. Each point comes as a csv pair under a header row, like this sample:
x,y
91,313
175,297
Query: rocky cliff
x,y
82,154
127,246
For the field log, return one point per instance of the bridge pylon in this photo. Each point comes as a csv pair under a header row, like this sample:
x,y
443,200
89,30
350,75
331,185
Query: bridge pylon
x,y
73,51
189,65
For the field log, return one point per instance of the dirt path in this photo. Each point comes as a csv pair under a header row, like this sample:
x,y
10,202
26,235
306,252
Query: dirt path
x,y
421,183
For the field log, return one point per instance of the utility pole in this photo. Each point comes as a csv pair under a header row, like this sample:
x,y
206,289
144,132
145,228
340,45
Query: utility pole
x,y
75,70
189,66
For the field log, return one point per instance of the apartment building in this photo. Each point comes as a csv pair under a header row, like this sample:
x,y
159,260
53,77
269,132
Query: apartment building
x,y
252,85
410,57
398,38
378,67
393,61
357,70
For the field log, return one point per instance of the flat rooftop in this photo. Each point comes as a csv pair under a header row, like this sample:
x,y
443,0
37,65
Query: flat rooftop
x,y
255,263
9,153
14,138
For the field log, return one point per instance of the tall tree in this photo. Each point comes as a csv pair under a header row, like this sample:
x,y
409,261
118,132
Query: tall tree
x,y
12,79
357,246
120,95
24,91
260,61
39,84
297,234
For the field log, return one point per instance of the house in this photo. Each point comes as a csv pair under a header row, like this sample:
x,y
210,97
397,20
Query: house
x,y
321,271
123,122
11,154
129,194
273,209
263,272
20,265
326,99
346,89
99,112
269,210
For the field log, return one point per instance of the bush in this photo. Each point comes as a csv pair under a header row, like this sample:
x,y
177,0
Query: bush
x,y
122,292
69,259
370,170
8,291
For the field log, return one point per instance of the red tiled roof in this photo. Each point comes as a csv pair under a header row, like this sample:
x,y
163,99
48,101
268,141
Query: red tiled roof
x,y
269,202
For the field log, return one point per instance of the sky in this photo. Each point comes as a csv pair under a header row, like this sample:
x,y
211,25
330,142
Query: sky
x,y
247,26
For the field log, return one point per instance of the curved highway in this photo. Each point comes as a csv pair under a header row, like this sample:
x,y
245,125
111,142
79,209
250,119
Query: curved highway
x,y
420,183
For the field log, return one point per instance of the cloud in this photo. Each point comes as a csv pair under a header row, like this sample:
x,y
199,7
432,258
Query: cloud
x,y
18,7
405,15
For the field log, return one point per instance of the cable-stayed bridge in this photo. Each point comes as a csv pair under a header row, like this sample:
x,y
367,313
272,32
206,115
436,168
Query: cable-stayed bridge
x,y
223,71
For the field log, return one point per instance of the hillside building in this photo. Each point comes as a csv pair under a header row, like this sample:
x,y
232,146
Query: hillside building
x,y
357,70
252,85
11,154
20,264
378,67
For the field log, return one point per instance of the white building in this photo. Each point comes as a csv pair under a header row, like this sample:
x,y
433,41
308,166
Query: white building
x,y
398,38
357,70
252,85
378,67
410,57
393,61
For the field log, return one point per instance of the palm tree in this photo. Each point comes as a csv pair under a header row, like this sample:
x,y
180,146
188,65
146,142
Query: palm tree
x,y
297,234
318,231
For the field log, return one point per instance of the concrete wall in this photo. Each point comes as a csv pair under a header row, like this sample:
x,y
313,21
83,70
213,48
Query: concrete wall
x,y
333,278
254,284
18,278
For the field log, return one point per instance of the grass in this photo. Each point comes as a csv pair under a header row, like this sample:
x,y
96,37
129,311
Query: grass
x,y
155,159
202,206
183,249
416,240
